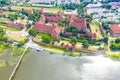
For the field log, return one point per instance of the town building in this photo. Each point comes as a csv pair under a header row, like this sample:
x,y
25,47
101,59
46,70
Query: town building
x,y
54,31
30,11
115,30
15,25
79,23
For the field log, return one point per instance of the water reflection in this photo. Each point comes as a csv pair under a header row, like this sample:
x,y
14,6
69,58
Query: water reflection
x,y
43,66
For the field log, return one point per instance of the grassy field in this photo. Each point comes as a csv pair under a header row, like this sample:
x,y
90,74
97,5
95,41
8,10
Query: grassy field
x,y
95,28
54,9
3,20
17,51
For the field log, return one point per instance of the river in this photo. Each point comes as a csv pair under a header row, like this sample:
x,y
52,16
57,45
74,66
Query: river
x,y
44,66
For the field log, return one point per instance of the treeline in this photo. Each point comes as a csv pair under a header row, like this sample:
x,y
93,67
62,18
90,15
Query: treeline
x,y
4,2
73,6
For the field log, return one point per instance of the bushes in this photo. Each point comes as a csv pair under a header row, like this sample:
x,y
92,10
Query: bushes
x,y
33,32
115,45
46,38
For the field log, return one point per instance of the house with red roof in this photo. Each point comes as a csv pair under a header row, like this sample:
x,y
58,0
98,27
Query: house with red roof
x,y
15,25
115,30
54,31
79,23
30,11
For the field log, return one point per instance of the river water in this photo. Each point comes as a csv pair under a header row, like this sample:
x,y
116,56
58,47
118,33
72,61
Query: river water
x,y
44,66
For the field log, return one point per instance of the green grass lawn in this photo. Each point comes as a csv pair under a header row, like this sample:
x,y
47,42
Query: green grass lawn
x,y
95,27
54,9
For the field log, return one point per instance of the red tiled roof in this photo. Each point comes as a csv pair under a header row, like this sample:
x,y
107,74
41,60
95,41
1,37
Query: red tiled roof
x,y
53,30
115,29
29,11
15,25
41,11
42,20
54,18
79,23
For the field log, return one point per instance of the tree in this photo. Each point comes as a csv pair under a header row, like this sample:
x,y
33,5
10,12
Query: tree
x,y
46,38
73,30
61,24
11,17
34,17
108,6
4,2
33,32
105,40
117,40
28,25
73,41
2,33
21,43
85,44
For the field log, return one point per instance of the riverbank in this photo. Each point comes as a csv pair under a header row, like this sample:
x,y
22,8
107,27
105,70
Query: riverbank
x,y
3,48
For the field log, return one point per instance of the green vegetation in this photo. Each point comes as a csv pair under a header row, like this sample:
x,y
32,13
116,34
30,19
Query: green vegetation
x,y
13,17
73,41
85,44
28,25
105,40
52,49
73,30
75,54
4,2
34,17
107,6
3,47
46,38
17,51
61,24
114,56
33,32
115,45
53,9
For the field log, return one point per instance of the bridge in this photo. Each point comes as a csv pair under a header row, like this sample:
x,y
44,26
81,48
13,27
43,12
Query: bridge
x,y
28,44
18,64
